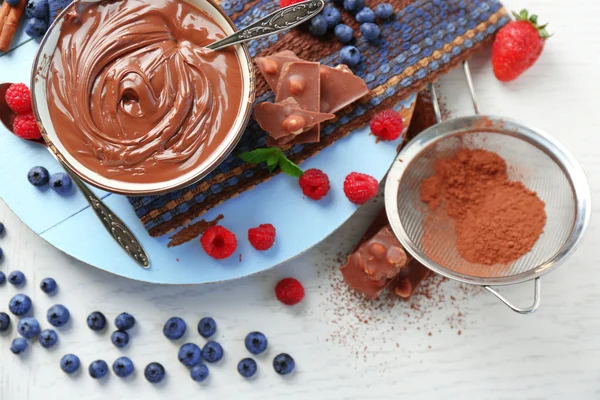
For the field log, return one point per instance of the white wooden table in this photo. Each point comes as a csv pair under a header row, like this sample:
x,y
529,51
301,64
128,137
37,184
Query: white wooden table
x,y
553,354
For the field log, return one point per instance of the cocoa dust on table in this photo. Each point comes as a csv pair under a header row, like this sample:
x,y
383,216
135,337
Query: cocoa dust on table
x,y
353,319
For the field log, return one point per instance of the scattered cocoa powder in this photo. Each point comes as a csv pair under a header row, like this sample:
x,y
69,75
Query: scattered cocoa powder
x,y
496,220
438,304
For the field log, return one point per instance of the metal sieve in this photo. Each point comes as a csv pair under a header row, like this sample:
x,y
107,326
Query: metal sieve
x,y
533,157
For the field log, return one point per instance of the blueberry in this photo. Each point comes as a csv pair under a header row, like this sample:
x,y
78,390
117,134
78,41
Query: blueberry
x,y
96,321
370,31
332,16
207,327
384,10
120,338
154,372
1,228
38,176
199,372
353,5
61,183
20,304
69,363
48,338
1,253
4,321
2,278
124,321
37,9
58,315
344,33
256,342
28,327
365,15
16,278
18,345
212,352
318,26
189,354
174,328
48,285
350,55
247,367
35,27
98,369
283,364
338,2
122,367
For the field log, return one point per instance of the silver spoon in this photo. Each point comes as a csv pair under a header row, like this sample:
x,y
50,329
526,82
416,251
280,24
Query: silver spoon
x,y
111,222
280,20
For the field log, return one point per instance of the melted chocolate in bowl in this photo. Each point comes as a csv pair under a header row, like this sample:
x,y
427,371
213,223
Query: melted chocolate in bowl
x,y
132,93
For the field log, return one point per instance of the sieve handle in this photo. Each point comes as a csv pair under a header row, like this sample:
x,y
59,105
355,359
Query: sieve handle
x,y
434,97
528,310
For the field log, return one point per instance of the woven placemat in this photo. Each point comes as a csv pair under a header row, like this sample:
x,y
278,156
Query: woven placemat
x,y
424,40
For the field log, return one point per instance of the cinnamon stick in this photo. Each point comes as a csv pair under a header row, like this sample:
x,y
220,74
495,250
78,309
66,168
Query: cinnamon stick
x,y
9,22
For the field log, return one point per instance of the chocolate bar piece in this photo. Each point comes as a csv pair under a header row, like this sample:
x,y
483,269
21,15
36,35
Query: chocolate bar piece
x,y
382,256
357,279
301,80
372,267
286,120
370,275
339,88
410,278
271,66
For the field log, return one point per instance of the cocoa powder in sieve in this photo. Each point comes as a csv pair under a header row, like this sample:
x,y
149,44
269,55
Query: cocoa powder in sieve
x,y
496,220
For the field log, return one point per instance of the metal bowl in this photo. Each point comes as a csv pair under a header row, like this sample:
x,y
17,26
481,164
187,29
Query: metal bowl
x,y
52,138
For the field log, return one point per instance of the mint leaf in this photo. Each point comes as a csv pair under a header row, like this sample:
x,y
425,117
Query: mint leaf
x,y
274,157
259,155
289,167
273,161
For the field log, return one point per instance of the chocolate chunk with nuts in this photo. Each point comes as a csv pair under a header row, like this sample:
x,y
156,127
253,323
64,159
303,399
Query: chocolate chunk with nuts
x,y
286,120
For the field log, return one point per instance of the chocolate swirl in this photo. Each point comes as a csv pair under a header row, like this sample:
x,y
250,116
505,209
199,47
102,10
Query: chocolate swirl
x,y
133,92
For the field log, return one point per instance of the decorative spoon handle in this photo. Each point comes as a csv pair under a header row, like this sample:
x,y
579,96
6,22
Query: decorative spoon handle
x,y
285,18
113,224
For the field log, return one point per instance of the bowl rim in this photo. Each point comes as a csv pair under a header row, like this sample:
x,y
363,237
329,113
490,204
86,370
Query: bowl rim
x,y
225,152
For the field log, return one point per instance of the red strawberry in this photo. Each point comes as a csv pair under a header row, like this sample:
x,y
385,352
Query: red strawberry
x,y
517,46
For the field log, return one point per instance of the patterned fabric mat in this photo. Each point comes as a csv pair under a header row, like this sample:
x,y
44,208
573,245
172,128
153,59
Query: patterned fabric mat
x,y
424,39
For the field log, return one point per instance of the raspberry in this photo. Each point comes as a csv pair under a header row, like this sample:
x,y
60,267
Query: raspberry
x,y
387,125
289,291
218,242
314,183
18,98
25,127
285,3
262,237
359,188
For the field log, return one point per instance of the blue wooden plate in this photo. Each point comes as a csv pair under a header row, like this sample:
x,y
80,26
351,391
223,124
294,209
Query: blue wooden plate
x,y
68,223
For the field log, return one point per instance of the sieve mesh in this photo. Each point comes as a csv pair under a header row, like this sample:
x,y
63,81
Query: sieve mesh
x,y
527,163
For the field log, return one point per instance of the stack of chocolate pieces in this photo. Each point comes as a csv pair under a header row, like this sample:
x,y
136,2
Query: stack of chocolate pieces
x,y
306,94
379,262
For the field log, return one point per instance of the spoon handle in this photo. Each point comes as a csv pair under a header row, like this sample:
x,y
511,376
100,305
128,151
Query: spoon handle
x,y
113,224
285,18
